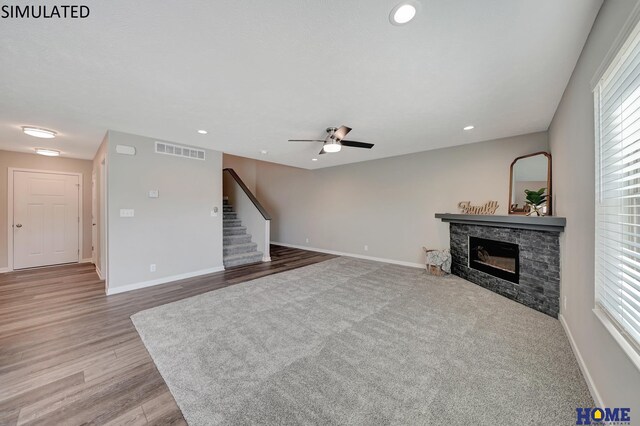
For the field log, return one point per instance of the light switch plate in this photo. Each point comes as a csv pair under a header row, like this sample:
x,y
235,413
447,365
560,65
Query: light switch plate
x,y
154,193
127,212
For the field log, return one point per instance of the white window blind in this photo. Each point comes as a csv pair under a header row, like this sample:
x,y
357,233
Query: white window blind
x,y
617,118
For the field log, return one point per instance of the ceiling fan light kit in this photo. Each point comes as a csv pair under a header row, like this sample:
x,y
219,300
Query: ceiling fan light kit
x,y
332,146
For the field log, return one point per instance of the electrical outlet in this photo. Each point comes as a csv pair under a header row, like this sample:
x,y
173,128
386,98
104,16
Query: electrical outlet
x,y
307,241
366,248
152,267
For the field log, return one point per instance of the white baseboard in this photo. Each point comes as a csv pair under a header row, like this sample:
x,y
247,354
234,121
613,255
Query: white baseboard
x,y
89,260
99,272
4,270
164,280
583,367
358,256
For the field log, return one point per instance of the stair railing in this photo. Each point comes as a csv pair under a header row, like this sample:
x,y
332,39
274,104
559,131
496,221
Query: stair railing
x,y
249,210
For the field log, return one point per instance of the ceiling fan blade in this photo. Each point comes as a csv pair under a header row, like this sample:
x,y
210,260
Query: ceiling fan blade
x,y
356,144
341,132
306,140
322,151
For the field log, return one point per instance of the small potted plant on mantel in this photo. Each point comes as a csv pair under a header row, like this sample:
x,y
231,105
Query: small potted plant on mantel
x,y
536,200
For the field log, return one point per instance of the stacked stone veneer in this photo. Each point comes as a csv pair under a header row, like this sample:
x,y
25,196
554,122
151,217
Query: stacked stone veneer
x,y
539,286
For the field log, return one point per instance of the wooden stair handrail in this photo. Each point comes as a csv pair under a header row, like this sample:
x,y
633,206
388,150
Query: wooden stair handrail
x,y
246,190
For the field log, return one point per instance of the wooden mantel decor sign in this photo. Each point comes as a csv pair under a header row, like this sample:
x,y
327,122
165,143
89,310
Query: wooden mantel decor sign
x,y
489,208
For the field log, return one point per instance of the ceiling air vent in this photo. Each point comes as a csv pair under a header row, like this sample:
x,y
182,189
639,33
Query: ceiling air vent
x,y
179,151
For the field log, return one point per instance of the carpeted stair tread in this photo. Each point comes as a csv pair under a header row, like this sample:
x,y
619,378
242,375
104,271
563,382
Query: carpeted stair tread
x,y
239,248
242,259
234,230
236,239
231,223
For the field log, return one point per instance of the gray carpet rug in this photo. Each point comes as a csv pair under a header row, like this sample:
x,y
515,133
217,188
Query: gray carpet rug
x,y
356,342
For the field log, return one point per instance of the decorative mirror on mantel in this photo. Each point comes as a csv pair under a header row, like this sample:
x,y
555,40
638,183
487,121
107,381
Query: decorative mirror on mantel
x,y
530,185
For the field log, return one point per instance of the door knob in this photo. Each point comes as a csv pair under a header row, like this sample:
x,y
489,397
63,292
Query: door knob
x,y
19,225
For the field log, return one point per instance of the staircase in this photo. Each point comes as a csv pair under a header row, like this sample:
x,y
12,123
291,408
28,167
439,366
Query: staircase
x,y
237,248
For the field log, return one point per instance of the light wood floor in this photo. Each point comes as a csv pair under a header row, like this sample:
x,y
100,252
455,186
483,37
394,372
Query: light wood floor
x,y
70,355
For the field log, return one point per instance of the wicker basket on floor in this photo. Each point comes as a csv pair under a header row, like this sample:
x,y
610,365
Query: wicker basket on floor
x,y
433,269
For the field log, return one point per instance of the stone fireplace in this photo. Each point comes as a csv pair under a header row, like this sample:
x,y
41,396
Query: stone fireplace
x,y
515,256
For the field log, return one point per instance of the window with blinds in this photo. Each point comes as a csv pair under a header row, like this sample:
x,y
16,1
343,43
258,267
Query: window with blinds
x,y
617,118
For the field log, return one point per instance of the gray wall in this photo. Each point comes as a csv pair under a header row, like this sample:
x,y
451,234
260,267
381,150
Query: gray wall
x,y
39,162
571,138
175,231
244,167
388,204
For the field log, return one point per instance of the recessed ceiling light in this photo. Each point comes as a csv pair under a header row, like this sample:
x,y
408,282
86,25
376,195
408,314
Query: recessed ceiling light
x,y
47,152
264,152
314,159
468,128
202,132
39,133
403,13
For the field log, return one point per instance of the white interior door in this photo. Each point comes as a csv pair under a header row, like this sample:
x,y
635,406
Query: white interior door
x,y
45,219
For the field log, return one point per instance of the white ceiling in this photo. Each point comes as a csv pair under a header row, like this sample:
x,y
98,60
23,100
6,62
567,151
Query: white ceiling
x,y
256,73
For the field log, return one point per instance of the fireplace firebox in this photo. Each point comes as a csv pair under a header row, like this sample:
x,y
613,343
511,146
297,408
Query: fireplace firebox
x,y
498,258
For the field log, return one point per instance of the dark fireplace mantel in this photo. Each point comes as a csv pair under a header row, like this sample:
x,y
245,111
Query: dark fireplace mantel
x,y
537,223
